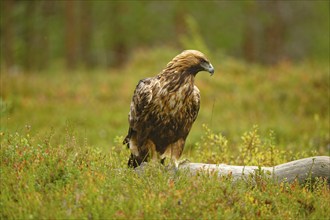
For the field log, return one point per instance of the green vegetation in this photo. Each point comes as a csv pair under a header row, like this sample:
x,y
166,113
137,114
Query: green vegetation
x,y
62,157
76,181
288,99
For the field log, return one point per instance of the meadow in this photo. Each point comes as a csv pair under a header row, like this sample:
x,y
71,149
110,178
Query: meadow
x,y
62,157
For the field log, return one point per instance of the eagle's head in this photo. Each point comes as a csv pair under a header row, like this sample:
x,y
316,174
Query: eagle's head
x,y
191,61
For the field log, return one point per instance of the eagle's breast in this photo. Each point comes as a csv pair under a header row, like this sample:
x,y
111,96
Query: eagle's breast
x,y
175,109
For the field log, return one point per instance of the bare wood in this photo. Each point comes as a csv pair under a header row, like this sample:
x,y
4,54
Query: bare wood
x,y
303,169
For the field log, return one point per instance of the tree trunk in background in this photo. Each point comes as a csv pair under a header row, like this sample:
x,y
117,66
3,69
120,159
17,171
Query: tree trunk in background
x,y
86,33
249,49
7,34
70,35
43,48
119,48
179,17
29,58
274,33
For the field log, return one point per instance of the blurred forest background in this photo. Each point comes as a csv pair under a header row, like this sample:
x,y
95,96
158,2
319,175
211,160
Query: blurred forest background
x,y
72,66
102,34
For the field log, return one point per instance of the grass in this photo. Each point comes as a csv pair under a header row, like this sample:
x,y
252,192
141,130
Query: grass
x,y
76,181
61,152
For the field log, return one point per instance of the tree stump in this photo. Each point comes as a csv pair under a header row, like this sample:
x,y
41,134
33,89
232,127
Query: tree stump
x,y
302,170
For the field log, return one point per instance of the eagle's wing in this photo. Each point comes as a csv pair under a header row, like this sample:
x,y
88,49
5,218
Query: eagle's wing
x,y
196,103
139,110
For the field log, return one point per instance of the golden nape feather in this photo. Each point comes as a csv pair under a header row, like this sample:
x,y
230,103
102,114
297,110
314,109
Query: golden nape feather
x,y
164,108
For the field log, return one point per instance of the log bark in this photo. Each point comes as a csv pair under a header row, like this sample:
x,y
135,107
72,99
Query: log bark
x,y
302,170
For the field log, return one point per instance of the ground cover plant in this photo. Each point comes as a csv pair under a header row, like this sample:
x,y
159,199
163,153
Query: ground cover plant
x,y
62,157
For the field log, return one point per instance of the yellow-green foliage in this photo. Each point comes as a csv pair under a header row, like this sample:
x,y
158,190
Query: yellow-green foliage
x,y
76,181
62,157
290,100
215,148
212,148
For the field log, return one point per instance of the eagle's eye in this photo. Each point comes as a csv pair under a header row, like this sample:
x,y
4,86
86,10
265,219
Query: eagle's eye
x,y
202,60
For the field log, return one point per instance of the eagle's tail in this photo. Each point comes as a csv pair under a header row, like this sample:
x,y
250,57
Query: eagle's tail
x,y
126,141
128,137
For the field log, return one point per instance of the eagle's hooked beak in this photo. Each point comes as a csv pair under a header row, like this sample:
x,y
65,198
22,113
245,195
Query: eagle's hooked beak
x,y
208,67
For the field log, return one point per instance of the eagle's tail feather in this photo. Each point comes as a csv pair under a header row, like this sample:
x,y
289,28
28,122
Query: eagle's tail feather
x,y
128,137
126,141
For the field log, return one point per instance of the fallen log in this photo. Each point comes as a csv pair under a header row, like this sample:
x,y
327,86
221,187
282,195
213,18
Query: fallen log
x,y
302,170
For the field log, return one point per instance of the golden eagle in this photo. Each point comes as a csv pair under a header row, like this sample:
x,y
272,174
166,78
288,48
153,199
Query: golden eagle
x,y
164,108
